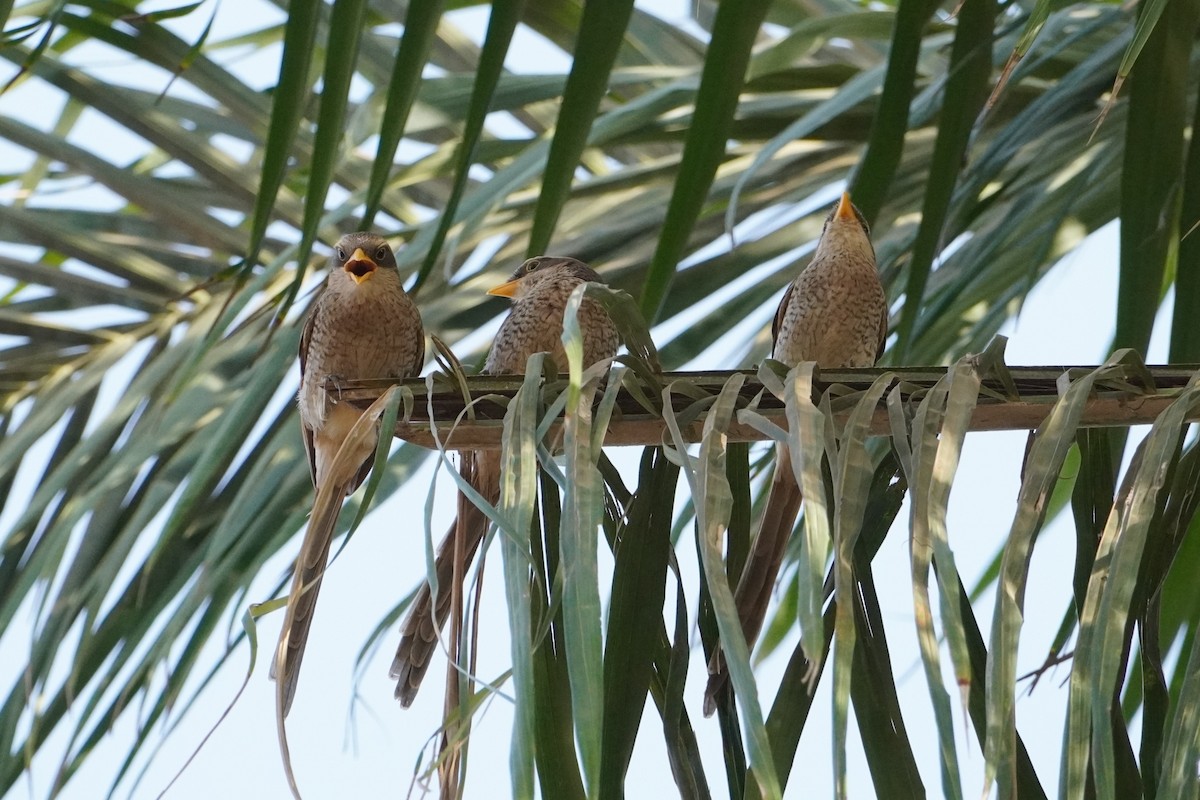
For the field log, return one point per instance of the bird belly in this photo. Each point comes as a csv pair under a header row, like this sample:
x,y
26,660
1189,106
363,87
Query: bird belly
x,y
822,326
360,342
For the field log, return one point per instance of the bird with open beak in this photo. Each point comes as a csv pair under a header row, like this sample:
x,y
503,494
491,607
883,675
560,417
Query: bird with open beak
x,y
539,288
363,325
834,313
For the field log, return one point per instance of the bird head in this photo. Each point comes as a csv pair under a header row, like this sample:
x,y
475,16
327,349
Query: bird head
x,y
845,232
360,255
536,271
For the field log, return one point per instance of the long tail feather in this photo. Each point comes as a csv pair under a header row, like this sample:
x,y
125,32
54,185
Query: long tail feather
x,y
420,629
306,585
754,589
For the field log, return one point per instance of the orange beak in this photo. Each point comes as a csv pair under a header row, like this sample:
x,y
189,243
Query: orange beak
x,y
845,209
505,289
360,266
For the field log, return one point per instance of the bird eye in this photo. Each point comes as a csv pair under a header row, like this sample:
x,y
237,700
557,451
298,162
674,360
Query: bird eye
x,y
531,265
341,253
381,253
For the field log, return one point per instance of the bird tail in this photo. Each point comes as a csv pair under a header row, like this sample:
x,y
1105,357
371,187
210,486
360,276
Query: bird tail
x,y
420,629
753,593
306,585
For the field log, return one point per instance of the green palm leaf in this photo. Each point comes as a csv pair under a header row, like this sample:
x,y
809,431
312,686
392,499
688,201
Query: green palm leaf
x,y
168,176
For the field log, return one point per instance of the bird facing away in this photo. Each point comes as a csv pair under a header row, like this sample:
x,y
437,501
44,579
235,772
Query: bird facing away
x,y
362,325
539,288
834,313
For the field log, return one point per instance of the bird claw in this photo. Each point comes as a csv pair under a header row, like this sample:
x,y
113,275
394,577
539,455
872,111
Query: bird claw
x,y
337,382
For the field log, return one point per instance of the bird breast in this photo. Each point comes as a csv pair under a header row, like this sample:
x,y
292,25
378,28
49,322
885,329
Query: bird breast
x,y
534,325
360,332
833,317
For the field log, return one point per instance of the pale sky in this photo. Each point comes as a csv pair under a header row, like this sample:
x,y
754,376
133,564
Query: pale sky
x,y
367,746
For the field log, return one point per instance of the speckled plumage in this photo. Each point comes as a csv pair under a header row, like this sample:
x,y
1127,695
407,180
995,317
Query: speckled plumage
x,y
835,313
363,325
540,288
534,325
356,330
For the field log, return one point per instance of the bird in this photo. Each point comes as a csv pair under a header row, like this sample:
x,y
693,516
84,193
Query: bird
x,y
362,325
834,313
539,289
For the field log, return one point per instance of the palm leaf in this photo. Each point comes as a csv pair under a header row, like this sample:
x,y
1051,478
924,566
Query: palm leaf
x,y
161,222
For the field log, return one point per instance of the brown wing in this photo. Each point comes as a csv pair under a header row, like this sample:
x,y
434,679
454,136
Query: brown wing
x,y
305,433
779,312
883,328
419,360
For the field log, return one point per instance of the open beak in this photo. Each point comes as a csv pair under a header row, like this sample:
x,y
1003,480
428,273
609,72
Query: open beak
x,y
505,289
360,266
845,209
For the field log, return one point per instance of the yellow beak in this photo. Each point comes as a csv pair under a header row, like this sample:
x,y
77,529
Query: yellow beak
x,y
505,289
360,266
845,209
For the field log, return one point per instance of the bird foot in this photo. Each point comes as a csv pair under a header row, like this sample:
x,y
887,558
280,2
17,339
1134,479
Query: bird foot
x,y
337,382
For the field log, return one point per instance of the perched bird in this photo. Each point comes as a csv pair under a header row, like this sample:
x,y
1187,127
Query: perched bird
x,y
539,288
363,325
836,314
